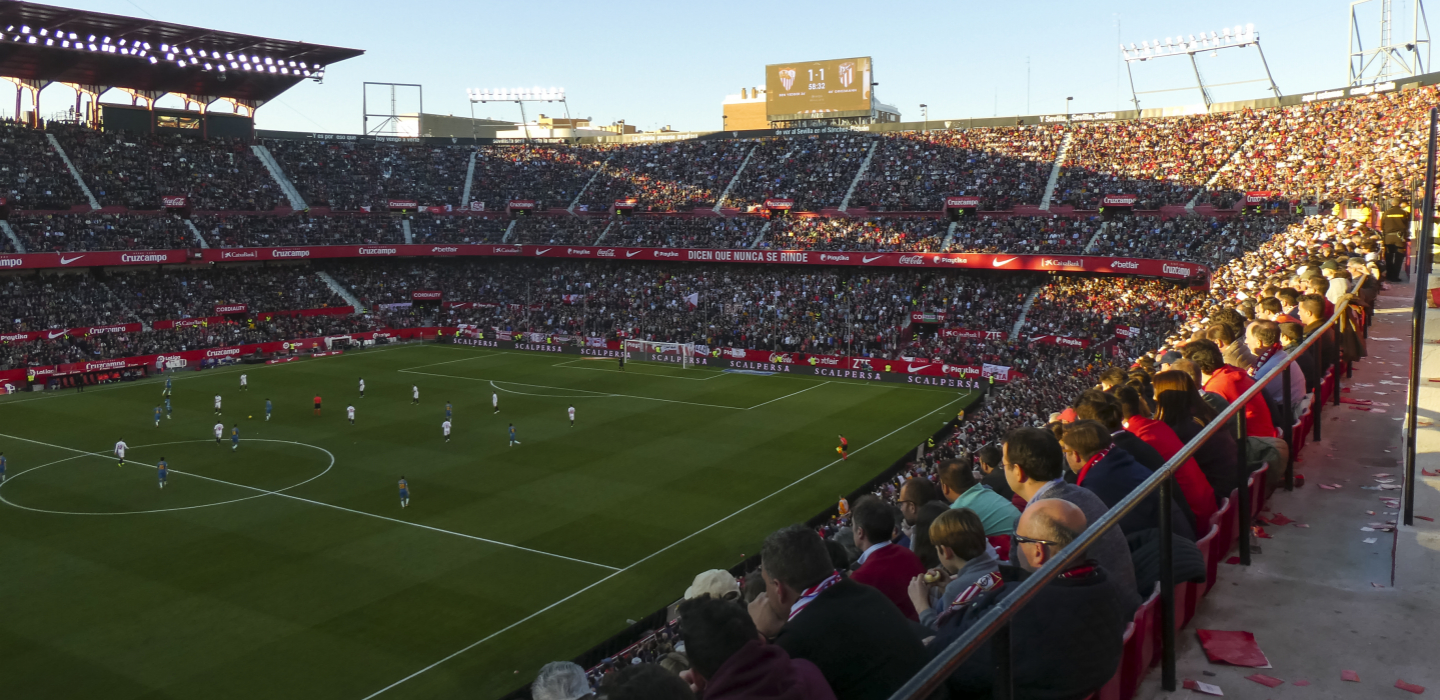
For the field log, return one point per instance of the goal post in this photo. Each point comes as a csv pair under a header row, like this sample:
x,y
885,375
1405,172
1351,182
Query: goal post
x,y
682,354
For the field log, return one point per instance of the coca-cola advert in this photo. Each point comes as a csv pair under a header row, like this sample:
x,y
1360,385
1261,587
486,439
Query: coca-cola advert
x,y
962,202
1119,200
778,203
521,204
223,309
402,204
427,295
174,201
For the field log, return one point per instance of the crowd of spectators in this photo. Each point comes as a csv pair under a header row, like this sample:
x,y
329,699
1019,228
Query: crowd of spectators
x,y
1161,161
1004,166
873,234
32,175
1024,234
130,169
429,228
671,176
696,232
67,233
1066,419
1336,150
355,175
253,231
814,171
550,175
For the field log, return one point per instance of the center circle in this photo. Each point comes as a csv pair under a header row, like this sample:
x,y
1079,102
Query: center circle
x,y
255,491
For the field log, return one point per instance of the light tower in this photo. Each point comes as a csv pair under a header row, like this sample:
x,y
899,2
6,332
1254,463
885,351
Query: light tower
x,y
1388,59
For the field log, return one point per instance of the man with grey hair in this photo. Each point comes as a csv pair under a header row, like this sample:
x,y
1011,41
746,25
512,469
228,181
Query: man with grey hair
x,y
862,644
561,680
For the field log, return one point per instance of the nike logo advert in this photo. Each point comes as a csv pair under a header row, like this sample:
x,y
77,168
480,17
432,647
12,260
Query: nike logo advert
x,y
55,334
542,252
869,259
912,369
66,261
1001,263
633,253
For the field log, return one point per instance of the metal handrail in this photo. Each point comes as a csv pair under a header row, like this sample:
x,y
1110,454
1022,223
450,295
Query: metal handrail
x,y
949,659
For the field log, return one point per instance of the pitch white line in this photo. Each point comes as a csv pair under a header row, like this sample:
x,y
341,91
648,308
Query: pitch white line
x,y
677,543
331,505
570,365
463,359
808,388
597,394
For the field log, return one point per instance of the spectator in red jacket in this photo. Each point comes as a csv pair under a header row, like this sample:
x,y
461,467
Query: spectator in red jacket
x,y
729,660
1230,383
883,565
1193,484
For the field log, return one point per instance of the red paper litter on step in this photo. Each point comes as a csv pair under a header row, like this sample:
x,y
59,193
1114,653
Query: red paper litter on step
x,y
1416,689
1301,683
1265,680
1260,533
1357,402
1359,408
1350,676
1426,519
1424,472
1235,648
1233,560
1281,519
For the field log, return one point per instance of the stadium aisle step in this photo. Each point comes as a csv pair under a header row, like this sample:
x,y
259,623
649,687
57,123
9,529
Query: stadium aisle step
x,y
720,201
1318,597
1055,171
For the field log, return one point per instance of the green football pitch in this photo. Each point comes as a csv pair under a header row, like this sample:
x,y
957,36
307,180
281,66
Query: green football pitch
x,y
286,568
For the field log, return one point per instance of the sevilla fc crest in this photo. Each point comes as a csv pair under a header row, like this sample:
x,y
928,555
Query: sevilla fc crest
x,y
847,74
787,77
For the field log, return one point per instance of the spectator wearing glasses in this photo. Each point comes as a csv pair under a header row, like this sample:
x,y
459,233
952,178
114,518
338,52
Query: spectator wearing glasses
x,y
1033,463
1071,632
914,494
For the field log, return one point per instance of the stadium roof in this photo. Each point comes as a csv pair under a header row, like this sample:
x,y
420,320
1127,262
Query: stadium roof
x,y
61,45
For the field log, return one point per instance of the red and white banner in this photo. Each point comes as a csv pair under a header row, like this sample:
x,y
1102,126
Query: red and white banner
x,y
969,334
626,204
1000,373
986,261
1066,341
779,203
525,204
402,204
1258,197
1119,200
927,317
962,202
231,308
477,206
1126,331
429,295
174,201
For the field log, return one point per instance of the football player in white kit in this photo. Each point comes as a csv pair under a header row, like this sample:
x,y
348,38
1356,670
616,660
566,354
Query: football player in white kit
x,y
572,415
495,401
350,411
219,432
244,382
414,394
217,404
445,427
120,448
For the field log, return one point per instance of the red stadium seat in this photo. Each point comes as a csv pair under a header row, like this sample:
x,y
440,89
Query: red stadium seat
x,y
1219,543
1189,593
1257,490
1140,650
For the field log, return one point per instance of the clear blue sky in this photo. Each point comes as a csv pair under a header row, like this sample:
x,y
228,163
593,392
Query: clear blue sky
x,y
671,63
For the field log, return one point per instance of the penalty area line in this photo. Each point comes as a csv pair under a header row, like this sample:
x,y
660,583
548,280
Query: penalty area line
x,y
673,545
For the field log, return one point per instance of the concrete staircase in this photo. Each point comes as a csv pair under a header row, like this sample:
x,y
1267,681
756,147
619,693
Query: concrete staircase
x,y
1093,239
340,289
760,237
74,172
1227,165
1024,310
1055,171
949,236
296,201
509,231
10,233
576,202
199,239
405,227
469,179
604,233
859,175
720,201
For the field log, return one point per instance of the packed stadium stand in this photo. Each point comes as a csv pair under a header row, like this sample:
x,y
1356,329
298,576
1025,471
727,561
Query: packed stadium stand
x,y
1045,340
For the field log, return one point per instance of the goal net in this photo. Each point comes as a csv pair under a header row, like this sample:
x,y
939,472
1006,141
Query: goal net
x,y
682,354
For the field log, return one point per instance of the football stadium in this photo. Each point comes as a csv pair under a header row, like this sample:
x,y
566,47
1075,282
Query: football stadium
x,y
828,403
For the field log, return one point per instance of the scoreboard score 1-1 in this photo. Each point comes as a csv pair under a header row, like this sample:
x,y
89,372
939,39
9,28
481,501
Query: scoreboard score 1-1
x,y
835,88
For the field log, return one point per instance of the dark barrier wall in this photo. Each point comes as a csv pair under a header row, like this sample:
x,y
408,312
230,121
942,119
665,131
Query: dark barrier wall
x,y
145,121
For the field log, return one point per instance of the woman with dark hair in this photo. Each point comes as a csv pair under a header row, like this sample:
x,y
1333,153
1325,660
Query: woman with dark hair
x,y
1199,494
1179,405
920,541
